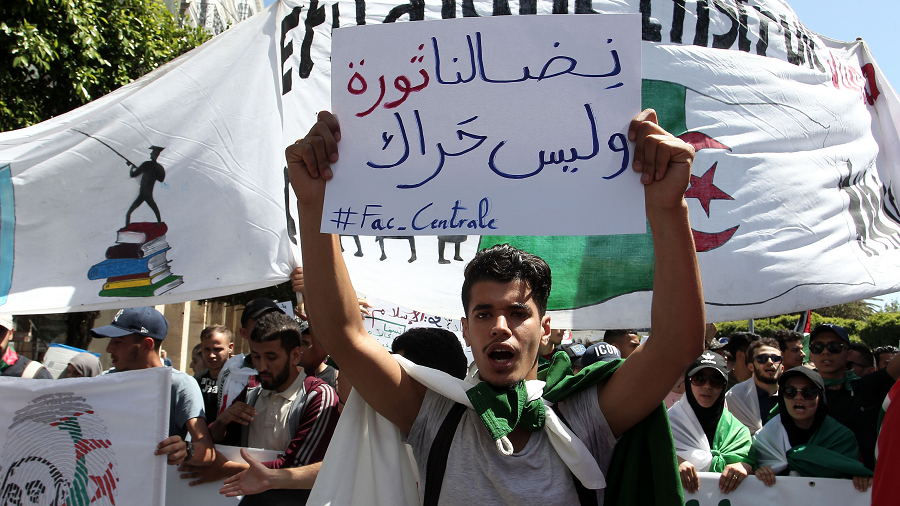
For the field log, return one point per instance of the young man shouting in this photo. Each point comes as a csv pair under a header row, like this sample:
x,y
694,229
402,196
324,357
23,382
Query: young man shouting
x,y
505,301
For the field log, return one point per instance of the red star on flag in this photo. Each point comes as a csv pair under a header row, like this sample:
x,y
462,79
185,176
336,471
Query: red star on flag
x,y
702,188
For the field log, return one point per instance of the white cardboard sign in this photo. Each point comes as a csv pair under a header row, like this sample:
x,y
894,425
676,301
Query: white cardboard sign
x,y
484,126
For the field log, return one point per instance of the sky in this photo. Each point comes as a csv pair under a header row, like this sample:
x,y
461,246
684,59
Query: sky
x,y
846,20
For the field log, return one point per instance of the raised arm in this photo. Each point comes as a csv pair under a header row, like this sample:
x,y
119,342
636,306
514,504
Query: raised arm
x,y
331,300
678,313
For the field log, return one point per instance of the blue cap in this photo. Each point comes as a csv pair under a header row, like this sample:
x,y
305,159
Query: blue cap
x,y
830,327
145,321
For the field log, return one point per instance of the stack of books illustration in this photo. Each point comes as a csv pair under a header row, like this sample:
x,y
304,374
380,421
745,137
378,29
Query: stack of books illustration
x,y
136,266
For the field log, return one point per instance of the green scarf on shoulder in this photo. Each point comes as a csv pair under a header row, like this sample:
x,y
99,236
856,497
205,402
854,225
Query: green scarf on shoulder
x,y
731,444
844,382
832,452
643,470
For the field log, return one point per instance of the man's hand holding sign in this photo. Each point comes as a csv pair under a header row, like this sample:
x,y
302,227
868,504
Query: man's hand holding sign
x,y
505,320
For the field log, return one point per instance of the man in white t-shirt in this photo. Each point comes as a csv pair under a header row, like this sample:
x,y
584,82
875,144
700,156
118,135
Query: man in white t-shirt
x,y
505,301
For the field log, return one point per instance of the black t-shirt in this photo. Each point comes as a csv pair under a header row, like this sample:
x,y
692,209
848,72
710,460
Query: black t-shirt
x,y
19,366
858,409
329,375
210,395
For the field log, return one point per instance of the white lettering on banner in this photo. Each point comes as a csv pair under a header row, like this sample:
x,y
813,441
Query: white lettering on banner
x,y
412,165
787,490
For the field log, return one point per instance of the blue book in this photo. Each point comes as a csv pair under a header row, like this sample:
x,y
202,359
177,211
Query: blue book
x,y
127,266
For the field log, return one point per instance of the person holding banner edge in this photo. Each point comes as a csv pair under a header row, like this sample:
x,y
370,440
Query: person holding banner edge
x,y
803,440
708,438
504,323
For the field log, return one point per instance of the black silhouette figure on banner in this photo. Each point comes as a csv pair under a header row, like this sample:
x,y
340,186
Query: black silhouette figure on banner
x,y
151,172
412,245
456,240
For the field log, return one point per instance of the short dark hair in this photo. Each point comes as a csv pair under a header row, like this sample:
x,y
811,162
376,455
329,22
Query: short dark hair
x,y
615,335
881,350
502,264
759,343
740,341
216,329
276,325
785,336
432,347
868,359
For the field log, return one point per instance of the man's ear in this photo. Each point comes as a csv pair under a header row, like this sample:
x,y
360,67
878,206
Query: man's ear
x,y
465,325
545,326
295,356
244,334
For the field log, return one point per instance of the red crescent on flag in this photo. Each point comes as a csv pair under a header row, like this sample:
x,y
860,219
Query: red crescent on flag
x,y
700,140
705,242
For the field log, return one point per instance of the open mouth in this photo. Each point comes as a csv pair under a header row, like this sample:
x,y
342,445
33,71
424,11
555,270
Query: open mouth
x,y
501,356
799,408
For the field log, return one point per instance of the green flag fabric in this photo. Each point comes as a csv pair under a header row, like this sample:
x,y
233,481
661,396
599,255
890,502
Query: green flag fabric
x,y
731,444
832,452
643,469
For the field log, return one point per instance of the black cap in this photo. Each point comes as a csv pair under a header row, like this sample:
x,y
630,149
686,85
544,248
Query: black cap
x,y
145,321
256,308
600,352
709,360
830,327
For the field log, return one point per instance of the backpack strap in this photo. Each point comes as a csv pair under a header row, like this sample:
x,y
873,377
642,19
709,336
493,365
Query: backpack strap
x,y
437,456
586,496
32,369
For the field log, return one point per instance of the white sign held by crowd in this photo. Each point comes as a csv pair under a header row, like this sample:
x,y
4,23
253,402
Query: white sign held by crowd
x,y
85,440
466,127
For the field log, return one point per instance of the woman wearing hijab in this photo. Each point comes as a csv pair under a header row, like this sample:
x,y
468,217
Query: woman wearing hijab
x,y
708,438
802,440
83,365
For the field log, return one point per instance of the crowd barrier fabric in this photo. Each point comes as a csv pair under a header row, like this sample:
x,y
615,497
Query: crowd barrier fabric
x,y
786,490
85,440
793,198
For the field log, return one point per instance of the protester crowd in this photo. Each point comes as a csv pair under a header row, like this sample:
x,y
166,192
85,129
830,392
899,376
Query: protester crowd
x,y
739,405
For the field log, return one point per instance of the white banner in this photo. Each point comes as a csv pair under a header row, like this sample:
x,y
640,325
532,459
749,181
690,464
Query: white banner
x,y
83,441
793,198
786,490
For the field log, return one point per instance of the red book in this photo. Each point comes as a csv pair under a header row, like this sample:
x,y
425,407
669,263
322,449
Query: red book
x,y
141,232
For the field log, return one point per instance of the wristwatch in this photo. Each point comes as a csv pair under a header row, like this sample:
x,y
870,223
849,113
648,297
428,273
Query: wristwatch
x,y
190,450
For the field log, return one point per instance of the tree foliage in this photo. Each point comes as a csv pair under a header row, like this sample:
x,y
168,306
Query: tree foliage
x,y
879,328
859,310
60,54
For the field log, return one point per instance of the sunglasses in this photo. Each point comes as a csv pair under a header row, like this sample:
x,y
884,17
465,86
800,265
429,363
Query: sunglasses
x,y
808,393
833,347
762,359
715,380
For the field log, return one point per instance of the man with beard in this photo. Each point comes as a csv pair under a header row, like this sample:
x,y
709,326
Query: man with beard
x,y
751,401
289,411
